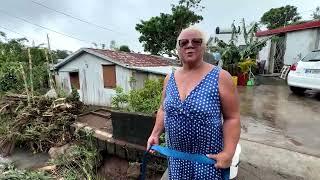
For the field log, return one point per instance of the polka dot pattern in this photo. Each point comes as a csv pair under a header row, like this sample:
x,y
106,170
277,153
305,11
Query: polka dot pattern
x,y
194,126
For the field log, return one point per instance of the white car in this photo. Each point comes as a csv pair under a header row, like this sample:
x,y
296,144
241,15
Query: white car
x,y
305,74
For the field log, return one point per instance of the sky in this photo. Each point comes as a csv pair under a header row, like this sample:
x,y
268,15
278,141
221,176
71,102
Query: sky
x,y
116,19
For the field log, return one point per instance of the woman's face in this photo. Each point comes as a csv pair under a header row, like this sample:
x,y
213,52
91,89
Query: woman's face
x,y
190,46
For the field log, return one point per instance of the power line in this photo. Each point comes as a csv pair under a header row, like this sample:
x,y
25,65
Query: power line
x,y
24,36
73,17
25,20
13,31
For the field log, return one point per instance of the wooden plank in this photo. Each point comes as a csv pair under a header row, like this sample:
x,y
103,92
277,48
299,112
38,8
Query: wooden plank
x,y
109,76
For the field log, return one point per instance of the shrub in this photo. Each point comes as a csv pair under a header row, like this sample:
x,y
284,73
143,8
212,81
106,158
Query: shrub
x,y
145,100
120,98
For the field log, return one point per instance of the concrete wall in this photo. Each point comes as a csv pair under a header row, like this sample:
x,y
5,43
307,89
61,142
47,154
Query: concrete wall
x,y
299,43
92,89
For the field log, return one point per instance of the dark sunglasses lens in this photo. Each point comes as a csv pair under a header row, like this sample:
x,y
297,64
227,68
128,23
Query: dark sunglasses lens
x,y
183,42
196,42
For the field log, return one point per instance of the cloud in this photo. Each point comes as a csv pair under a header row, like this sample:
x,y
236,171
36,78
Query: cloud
x,y
121,16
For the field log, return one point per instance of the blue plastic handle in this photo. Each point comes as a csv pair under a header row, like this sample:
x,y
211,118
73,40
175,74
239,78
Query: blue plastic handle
x,y
200,158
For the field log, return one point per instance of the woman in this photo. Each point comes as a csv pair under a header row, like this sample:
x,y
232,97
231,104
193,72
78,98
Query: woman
x,y
194,99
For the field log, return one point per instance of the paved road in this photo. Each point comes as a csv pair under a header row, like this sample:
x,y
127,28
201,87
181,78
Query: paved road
x,y
249,171
272,115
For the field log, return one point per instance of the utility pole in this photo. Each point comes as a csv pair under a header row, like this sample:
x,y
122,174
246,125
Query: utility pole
x,y
31,75
51,84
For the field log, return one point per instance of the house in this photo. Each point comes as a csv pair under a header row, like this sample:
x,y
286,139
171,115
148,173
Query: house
x,y
289,44
96,73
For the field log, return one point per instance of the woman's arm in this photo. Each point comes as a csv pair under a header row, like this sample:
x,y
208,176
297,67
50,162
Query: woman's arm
x,y
231,112
231,115
159,125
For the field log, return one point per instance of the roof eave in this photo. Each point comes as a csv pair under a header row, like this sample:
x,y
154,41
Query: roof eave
x,y
290,28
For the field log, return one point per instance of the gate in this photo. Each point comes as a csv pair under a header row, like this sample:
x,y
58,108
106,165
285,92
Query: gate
x,y
278,48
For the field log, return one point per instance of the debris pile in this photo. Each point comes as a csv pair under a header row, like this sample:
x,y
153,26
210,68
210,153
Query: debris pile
x,y
39,126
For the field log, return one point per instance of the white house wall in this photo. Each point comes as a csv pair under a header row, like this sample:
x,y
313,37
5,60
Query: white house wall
x,y
264,54
90,70
299,43
155,76
140,78
123,76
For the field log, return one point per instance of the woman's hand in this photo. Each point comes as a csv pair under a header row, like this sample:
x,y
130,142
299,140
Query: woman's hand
x,y
223,159
153,140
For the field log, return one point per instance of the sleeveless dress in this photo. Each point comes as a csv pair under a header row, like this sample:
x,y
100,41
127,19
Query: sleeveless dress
x,y
194,126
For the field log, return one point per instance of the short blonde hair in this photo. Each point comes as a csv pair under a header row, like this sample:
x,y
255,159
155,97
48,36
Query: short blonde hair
x,y
195,29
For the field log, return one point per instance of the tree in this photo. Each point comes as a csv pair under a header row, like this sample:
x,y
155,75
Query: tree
x,y
282,16
124,48
14,60
253,44
233,54
60,54
159,33
113,45
316,13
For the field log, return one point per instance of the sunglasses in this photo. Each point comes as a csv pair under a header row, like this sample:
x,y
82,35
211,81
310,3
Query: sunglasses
x,y
196,42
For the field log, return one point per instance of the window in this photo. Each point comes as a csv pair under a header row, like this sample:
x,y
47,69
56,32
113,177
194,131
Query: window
x,y
109,76
74,79
313,56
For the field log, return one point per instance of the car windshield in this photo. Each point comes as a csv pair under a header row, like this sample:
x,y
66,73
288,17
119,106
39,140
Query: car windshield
x,y
313,56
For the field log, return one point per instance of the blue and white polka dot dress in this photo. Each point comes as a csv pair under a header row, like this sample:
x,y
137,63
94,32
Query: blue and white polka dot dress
x,y
194,126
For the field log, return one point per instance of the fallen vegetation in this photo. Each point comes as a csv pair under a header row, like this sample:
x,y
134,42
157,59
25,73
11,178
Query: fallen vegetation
x,y
44,125
9,172
38,126
81,161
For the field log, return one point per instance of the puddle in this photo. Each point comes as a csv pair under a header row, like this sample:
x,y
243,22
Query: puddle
x,y
273,115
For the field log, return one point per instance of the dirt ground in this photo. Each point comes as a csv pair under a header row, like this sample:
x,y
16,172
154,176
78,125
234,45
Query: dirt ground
x,y
99,119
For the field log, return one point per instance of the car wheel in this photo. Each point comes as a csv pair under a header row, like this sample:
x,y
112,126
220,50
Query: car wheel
x,y
297,90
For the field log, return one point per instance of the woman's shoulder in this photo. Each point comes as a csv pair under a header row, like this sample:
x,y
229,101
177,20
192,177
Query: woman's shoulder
x,y
223,74
225,78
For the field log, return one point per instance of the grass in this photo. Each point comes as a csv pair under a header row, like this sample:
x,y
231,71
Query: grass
x,y
81,160
12,173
